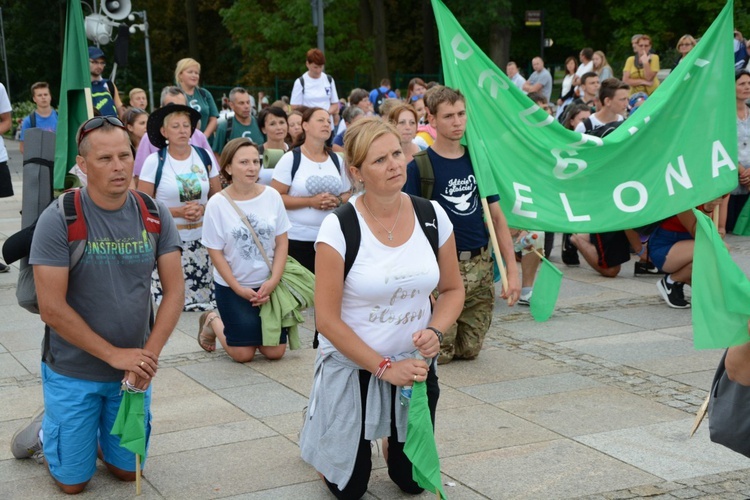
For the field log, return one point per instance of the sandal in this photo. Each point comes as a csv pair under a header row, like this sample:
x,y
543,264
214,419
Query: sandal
x,y
206,334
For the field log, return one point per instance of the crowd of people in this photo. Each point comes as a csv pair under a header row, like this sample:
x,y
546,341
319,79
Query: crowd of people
x,y
374,194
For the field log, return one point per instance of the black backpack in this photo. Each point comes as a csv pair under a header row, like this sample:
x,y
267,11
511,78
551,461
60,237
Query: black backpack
x,y
380,100
347,216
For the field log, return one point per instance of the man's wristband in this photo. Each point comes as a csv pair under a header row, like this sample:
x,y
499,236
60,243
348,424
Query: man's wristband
x,y
437,332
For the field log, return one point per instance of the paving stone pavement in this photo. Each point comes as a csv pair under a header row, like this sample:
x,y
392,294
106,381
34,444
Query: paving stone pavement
x,y
595,403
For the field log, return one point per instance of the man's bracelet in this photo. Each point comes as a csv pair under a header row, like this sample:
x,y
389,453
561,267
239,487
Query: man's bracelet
x,y
437,332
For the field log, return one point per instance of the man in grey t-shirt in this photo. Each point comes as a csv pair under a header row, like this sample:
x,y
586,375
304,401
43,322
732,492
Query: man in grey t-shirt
x,y
540,80
97,313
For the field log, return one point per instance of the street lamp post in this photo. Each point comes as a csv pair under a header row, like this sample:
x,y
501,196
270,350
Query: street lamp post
x,y
144,27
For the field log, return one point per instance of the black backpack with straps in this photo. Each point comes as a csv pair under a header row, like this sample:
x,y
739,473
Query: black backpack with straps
x,y
347,215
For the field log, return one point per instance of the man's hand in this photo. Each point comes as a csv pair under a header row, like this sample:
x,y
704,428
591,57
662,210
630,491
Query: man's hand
x,y
513,292
141,362
134,380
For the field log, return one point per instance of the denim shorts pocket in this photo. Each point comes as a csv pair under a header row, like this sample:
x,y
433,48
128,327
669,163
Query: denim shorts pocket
x,y
51,443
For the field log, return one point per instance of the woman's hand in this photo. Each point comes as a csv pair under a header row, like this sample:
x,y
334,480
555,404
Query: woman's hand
x,y
246,293
193,211
427,342
324,201
264,292
406,372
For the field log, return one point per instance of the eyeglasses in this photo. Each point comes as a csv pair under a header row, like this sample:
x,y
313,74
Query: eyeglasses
x,y
98,122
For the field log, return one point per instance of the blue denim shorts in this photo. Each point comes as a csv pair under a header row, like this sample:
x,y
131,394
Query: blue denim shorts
x,y
78,417
661,241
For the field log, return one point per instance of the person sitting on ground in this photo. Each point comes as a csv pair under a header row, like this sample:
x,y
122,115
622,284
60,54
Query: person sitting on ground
x,y
671,250
242,282
601,66
641,70
685,44
511,69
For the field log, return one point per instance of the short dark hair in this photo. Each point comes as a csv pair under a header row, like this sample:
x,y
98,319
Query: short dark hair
x,y
609,88
357,96
588,75
39,85
439,94
270,110
385,82
316,56
588,53
538,97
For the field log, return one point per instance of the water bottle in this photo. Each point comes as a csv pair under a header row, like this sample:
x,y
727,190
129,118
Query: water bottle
x,y
529,239
405,393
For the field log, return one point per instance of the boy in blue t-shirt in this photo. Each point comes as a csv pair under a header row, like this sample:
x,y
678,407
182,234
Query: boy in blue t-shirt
x,y
455,189
45,116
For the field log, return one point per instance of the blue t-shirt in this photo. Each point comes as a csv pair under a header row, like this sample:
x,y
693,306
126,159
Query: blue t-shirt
x,y
339,139
383,90
101,95
456,190
48,123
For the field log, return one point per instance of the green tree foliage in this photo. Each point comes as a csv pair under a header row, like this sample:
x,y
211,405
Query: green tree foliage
x,y
275,35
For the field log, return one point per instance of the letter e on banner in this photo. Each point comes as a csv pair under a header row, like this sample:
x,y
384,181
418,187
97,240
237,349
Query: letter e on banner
x,y
717,151
642,195
495,81
457,41
522,199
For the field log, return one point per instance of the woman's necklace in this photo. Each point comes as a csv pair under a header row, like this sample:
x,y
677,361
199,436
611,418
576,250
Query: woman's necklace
x,y
311,157
390,233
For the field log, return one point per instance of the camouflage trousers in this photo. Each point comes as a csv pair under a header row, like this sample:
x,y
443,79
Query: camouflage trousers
x,y
464,339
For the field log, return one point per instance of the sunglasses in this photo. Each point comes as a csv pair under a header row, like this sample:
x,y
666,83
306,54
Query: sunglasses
x,y
98,122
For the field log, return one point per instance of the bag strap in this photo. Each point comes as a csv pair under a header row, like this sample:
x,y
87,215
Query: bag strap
x,y
204,156
427,218
32,119
296,160
230,124
243,218
426,173
302,82
162,156
347,216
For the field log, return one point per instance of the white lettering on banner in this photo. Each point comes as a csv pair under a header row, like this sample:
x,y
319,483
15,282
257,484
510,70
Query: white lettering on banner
x,y
530,111
468,51
642,193
520,199
717,149
569,211
494,79
563,163
585,138
682,177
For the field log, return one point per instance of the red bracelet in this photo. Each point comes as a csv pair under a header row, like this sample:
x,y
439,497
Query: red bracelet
x,y
383,366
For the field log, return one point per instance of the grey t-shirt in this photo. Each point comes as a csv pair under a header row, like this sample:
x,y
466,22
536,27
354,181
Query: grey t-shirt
x,y
545,79
110,287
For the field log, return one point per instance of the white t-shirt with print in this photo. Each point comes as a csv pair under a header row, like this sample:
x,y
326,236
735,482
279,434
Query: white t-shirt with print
x,y
386,295
224,230
181,181
311,178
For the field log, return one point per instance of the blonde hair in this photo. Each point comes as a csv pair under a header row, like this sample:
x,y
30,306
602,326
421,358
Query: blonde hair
x,y
182,65
604,61
168,118
686,38
359,137
135,91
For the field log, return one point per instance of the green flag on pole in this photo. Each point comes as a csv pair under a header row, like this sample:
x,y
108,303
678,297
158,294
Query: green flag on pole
x,y
75,93
130,423
721,291
676,152
420,442
546,290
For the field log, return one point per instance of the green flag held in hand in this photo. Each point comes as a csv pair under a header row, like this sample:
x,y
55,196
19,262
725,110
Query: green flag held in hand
x,y
721,291
661,161
546,290
420,444
75,93
130,424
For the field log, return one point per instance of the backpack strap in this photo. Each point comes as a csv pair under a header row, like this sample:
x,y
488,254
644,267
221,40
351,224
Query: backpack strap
x,y
296,160
230,124
427,219
32,119
588,125
426,173
204,156
162,156
71,209
335,160
302,82
347,216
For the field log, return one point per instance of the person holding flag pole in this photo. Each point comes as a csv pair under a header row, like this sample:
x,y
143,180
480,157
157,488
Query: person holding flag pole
x,y
445,173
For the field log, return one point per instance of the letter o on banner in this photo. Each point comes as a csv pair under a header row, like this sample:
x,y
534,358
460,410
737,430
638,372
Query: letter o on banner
x,y
467,50
642,196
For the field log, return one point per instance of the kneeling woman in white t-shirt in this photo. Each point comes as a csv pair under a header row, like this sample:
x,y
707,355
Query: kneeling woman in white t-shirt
x,y
241,280
314,190
378,329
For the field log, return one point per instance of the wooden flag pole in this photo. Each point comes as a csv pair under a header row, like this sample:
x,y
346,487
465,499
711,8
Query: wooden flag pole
x,y
137,474
495,244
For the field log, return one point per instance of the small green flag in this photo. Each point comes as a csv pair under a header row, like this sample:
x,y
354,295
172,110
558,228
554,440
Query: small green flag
x,y
130,424
721,291
546,290
420,444
75,90
742,226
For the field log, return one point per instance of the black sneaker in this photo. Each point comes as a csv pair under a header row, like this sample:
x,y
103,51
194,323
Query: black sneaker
x,y
569,252
646,269
673,294
4,268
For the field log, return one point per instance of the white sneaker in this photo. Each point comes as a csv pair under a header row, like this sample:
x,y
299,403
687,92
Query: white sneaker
x,y
524,299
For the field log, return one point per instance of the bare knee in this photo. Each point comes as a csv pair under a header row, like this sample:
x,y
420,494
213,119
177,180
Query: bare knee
x,y
241,354
71,489
122,475
274,353
610,272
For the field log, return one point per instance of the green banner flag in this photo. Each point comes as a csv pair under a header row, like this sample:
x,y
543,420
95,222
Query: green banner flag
x,y
130,423
420,444
546,290
75,91
677,151
721,291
